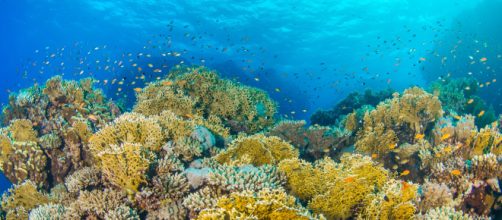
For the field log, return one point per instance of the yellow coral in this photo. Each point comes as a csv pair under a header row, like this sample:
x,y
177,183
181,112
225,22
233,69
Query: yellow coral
x,y
257,150
303,181
125,166
22,130
397,120
24,195
199,92
128,128
266,204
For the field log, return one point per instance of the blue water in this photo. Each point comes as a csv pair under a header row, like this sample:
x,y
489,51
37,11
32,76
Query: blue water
x,y
307,54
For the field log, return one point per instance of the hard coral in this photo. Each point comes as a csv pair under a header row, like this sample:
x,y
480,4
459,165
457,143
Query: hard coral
x,y
266,204
125,166
24,196
190,92
257,150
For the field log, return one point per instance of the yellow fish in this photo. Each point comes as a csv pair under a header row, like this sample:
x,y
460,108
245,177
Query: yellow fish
x,y
456,172
137,89
481,113
470,101
374,156
392,146
457,117
405,173
445,136
150,65
419,136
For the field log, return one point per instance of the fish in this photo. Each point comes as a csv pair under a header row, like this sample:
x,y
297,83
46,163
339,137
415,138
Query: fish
x,y
138,89
456,172
481,113
392,146
349,179
190,116
470,101
150,65
419,136
405,173
374,156
445,136
92,117
167,83
277,90
457,117
483,59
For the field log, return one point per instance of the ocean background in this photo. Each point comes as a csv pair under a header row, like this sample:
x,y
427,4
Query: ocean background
x,y
307,55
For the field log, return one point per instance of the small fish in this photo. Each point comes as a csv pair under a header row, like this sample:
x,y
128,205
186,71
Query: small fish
x,y
137,89
483,59
277,90
422,59
405,185
92,117
405,173
394,167
481,113
447,149
470,101
419,136
374,156
445,136
157,70
167,83
190,116
456,172
392,146
457,117
349,179
405,161
150,65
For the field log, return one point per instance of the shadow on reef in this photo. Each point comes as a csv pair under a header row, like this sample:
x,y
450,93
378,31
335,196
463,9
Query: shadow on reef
x,y
198,146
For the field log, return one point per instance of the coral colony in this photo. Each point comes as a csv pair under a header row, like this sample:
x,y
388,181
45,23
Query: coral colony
x,y
196,146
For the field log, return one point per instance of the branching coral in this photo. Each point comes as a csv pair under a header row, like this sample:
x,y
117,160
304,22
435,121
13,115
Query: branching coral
x,y
83,179
334,189
128,128
48,211
95,204
266,204
199,91
235,179
125,166
23,196
257,150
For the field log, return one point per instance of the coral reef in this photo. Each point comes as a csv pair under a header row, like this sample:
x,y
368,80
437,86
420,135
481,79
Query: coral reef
x,y
200,147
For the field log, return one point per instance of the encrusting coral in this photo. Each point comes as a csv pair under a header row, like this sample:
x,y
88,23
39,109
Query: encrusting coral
x,y
197,146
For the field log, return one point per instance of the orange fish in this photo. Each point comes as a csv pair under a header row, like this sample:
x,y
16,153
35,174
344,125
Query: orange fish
x,y
167,83
349,179
481,113
137,89
392,146
483,59
422,59
456,172
190,116
374,156
419,136
405,173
